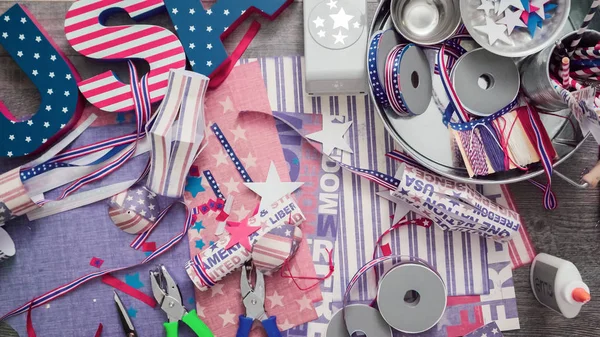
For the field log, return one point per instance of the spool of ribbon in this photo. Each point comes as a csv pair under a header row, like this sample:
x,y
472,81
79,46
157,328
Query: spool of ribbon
x,y
381,44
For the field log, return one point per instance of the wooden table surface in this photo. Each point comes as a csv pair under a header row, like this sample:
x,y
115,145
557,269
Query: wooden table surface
x,y
570,232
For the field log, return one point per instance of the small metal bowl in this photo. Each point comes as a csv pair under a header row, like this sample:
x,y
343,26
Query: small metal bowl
x,y
425,22
523,44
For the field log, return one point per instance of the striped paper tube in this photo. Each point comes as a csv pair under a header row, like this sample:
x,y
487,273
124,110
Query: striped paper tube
x,y
585,72
586,53
564,71
586,22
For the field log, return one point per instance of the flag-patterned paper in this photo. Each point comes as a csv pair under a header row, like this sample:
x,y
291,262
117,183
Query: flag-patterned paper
x,y
488,330
272,250
14,200
253,137
134,210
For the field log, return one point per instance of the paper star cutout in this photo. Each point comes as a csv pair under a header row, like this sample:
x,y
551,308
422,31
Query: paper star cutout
x,y
526,6
227,105
511,20
249,161
540,11
494,31
305,303
221,157
239,133
216,289
200,244
332,135
339,37
194,185
532,24
505,4
275,299
198,226
228,318
319,22
240,232
232,185
273,189
132,312
341,19
486,5
134,280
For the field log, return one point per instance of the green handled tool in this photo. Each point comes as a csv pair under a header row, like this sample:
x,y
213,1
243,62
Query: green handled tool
x,y
168,296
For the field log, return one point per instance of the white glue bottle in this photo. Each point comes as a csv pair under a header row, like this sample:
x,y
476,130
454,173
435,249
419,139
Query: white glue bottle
x,y
557,284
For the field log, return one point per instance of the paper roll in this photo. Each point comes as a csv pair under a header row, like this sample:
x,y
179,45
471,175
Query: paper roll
x,y
215,262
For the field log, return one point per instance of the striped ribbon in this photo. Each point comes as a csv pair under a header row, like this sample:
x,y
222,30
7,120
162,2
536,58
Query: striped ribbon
x,y
231,153
212,182
176,132
65,289
586,54
379,90
451,109
461,113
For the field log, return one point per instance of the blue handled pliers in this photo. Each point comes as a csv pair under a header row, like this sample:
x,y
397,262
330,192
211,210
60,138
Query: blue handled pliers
x,y
254,301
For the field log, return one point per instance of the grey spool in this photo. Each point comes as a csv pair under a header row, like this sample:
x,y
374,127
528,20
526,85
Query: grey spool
x,y
415,80
535,73
485,82
411,298
359,318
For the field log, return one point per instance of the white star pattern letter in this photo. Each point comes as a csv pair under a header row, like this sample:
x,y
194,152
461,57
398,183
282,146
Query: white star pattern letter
x,y
341,19
494,31
332,135
272,189
511,20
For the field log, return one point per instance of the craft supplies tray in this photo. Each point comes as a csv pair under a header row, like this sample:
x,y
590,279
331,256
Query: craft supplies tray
x,y
425,138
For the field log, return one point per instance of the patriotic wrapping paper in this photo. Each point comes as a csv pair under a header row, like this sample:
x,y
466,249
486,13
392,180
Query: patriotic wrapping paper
x,y
488,330
274,248
134,210
252,137
55,78
214,263
156,45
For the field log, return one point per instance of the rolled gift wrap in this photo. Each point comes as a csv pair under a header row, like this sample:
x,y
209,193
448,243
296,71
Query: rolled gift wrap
x,y
455,206
276,247
215,262
7,246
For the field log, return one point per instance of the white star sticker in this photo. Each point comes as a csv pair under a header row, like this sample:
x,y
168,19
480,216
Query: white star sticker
x,y
273,188
221,157
494,31
192,11
339,37
68,76
275,300
30,122
341,19
227,317
321,33
192,28
11,137
227,105
28,139
174,11
209,29
48,108
5,35
46,124
38,39
319,22
332,4
36,56
239,133
192,45
226,12
9,154
209,63
209,46
6,18
305,303
332,135
51,75
53,57
209,11
231,185
21,37
50,91
65,110
249,161
20,53
23,20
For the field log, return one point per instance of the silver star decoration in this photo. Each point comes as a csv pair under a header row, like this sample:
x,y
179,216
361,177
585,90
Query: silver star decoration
x,y
273,189
332,135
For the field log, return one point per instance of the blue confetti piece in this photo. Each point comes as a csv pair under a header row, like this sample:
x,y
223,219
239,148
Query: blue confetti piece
x,y
148,253
134,280
132,312
194,185
526,5
191,300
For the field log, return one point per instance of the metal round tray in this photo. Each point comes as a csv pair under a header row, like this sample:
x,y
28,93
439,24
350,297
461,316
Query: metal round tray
x,y
425,138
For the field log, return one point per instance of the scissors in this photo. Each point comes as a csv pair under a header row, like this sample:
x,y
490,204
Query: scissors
x,y
167,294
254,301
125,319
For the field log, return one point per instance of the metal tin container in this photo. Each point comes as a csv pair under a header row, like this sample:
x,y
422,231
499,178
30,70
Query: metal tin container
x,y
424,138
535,73
426,22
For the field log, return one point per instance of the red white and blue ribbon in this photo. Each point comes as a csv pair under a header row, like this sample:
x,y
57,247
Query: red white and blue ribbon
x,y
212,182
65,289
392,83
461,112
379,90
231,153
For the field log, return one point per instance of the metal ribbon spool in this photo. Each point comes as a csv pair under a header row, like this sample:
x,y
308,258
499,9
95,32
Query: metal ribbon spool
x,y
431,147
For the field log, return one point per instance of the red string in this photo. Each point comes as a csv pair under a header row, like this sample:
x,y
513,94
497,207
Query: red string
x,y
286,265
30,329
127,289
504,143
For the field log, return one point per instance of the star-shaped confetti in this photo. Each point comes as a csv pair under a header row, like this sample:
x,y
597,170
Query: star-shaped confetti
x,y
194,185
332,135
273,189
240,232
134,280
494,31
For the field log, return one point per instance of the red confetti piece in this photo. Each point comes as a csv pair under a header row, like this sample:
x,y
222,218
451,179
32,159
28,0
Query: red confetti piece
x,y
194,171
149,247
96,262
